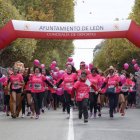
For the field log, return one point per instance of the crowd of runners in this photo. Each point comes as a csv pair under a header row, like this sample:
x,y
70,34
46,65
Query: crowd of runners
x,y
87,89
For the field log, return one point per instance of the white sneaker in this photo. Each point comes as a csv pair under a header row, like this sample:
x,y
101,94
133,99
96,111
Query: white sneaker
x,y
68,117
23,115
37,117
32,116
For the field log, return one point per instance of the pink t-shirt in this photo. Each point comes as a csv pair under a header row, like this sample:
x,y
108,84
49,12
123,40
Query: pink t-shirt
x,y
80,71
37,83
95,80
113,81
68,81
16,80
82,90
129,84
28,86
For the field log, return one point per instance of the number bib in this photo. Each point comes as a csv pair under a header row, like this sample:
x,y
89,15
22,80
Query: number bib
x,y
81,95
124,88
16,85
37,86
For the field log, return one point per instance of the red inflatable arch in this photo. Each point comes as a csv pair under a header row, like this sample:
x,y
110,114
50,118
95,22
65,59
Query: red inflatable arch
x,y
57,30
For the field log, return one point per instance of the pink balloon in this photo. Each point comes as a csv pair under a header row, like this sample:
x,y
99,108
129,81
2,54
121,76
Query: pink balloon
x,y
126,66
86,66
42,66
123,79
60,73
59,91
36,62
90,66
70,59
72,63
56,69
52,67
134,61
2,79
55,75
54,63
136,66
48,78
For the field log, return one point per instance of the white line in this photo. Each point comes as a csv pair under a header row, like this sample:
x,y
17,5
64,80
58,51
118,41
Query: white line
x,y
71,129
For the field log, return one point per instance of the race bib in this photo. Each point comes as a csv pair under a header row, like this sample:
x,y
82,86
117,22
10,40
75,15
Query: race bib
x,y
81,95
124,89
68,85
37,86
16,85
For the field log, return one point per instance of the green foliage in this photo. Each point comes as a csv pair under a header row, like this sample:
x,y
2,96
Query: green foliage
x,y
21,49
116,52
37,10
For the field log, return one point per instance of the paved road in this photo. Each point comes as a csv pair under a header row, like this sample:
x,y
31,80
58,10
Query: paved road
x,y
53,125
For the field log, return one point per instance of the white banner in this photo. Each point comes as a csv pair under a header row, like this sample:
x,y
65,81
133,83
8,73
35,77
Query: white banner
x,y
71,26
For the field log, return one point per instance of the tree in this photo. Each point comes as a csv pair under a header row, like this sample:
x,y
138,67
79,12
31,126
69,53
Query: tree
x,y
20,49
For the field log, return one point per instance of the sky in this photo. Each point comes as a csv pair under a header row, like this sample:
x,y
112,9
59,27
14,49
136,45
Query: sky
x,y
93,11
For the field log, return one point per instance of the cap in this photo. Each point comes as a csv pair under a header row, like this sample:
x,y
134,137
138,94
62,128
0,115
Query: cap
x,y
111,68
82,63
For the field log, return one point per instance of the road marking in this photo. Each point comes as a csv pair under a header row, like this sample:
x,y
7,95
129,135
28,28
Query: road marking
x,y
71,129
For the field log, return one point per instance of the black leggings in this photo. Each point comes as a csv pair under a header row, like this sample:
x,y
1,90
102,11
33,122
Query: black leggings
x,y
37,97
112,102
54,100
23,103
93,98
67,101
132,98
83,108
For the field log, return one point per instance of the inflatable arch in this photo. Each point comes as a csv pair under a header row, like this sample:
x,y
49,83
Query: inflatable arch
x,y
57,30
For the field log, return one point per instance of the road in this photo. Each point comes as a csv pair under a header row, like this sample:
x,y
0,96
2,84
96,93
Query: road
x,y
53,125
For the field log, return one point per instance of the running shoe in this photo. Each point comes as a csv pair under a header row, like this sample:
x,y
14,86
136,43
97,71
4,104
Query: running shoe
x,y
111,115
68,117
80,115
42,111
32,116
23,115
37,117
7,114
85,120
99,115
94,115
29,113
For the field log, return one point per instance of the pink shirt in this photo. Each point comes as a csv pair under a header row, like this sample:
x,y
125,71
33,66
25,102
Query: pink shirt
x,y
28,86
16,80
68,81
80,71
95,80
129,84
82,90
37,82
113,81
